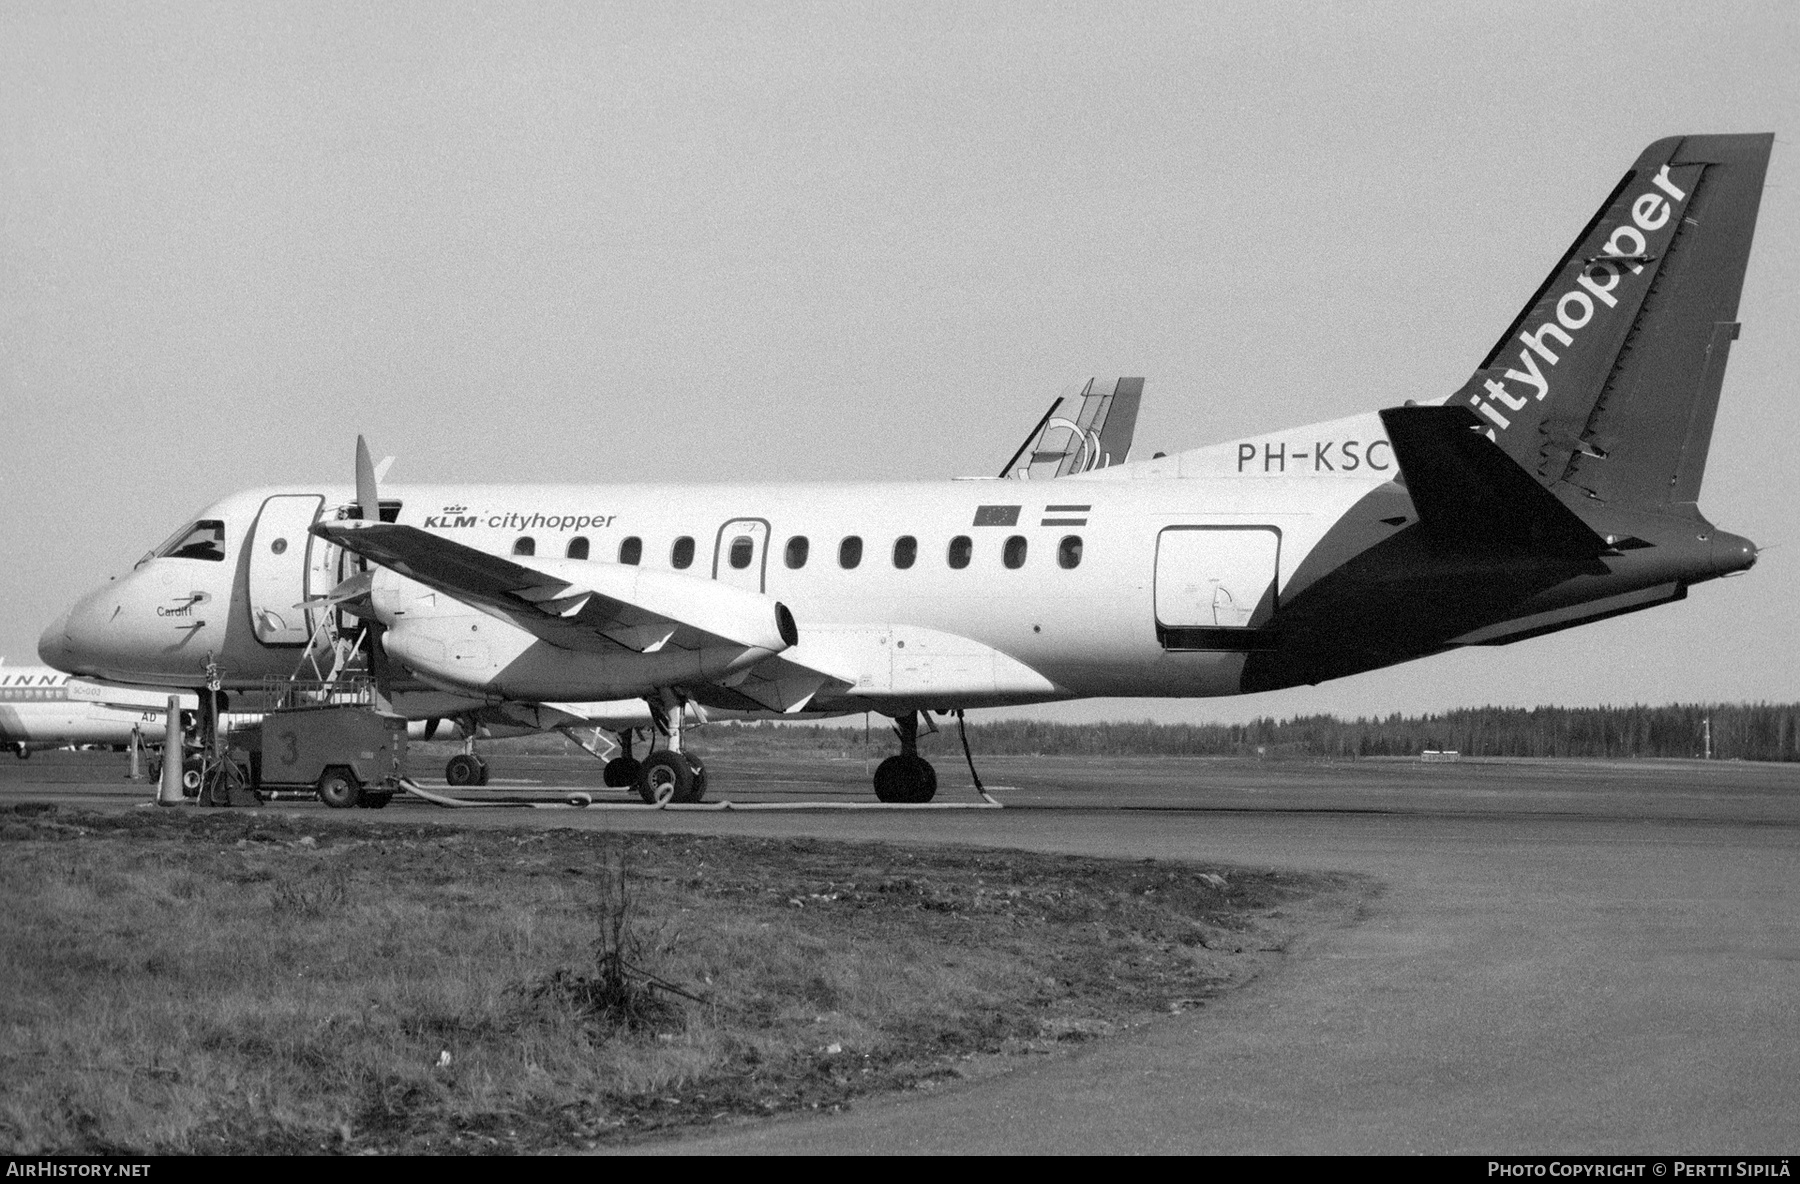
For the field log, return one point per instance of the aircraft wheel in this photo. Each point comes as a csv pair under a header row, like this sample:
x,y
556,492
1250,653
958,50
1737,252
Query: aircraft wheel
x,y
621,772
665,777
905,779
463,769
339,789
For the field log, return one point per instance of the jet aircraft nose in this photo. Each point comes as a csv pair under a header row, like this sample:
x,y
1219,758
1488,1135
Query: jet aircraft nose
x,y
53,645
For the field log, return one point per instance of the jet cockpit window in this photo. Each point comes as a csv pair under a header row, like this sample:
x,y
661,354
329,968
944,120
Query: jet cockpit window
x,y
199,540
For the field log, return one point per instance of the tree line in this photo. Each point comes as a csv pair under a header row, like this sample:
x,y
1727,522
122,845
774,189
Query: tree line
x,y
1739,731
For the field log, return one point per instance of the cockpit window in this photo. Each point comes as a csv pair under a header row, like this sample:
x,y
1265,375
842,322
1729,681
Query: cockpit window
x,y
199,540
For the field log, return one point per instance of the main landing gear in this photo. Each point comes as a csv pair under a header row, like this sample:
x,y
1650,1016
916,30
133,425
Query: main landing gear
x,y
671,775
908,777
621,772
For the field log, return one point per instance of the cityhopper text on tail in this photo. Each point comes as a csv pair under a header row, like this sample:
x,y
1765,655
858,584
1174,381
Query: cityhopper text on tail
x,y
1558,486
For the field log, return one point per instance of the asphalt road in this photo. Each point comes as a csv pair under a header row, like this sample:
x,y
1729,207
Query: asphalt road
x,y
1567,957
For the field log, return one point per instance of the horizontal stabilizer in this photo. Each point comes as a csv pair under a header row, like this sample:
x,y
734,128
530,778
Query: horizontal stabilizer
x,y
1470,493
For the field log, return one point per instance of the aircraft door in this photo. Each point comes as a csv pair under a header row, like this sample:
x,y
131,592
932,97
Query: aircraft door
x,y
740,553
1216,577
279,575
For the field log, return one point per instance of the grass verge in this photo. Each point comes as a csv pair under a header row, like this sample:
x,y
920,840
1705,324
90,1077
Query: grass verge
x,y
185,981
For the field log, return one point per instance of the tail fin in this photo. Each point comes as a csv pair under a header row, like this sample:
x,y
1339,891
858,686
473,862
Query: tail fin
x,y
1607,382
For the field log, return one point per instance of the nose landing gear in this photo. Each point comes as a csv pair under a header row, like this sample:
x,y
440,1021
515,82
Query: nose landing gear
x,y
466,768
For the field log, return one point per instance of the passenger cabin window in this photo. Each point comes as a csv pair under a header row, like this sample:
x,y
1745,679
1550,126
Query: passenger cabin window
x,y
742,552
631,551
1068,552
526,545
960,548
797,547
203,540
1014,553
850,552
578,548
906,550
682,553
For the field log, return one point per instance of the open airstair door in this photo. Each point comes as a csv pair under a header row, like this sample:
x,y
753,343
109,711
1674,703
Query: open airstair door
x,y
279,546
1215,587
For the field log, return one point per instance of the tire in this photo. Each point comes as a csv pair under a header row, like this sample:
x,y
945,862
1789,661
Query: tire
x,y
665,777
905,780
621,772
463,769
339,789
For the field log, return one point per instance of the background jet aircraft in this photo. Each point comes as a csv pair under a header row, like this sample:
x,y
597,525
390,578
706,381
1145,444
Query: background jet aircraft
x,y
42,708
1558,486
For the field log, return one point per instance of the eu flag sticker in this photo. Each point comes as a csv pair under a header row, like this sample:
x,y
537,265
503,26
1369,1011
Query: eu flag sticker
x,y
996,515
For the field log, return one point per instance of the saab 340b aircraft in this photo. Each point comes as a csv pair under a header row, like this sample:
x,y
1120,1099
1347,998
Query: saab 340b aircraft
x,y
1557,487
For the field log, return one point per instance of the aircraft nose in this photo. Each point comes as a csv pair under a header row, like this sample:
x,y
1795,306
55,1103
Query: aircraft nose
x,y
74,640
53,644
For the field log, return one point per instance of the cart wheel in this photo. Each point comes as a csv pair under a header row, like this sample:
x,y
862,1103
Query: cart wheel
x,y
339,789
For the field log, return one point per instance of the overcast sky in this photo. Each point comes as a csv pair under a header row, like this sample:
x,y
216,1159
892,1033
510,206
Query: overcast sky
x,y
596,242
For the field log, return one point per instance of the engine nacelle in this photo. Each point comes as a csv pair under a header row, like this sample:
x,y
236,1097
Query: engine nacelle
x,y
449,644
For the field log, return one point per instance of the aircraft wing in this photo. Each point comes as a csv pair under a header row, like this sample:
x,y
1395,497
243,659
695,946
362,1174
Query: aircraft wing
x,y
1094,435
605,607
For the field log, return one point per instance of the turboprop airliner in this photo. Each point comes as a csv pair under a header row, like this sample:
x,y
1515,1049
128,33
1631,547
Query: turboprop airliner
x,y
1558,486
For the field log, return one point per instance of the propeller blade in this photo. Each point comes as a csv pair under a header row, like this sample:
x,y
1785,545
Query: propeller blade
x,y
366,495
354,588
431,726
